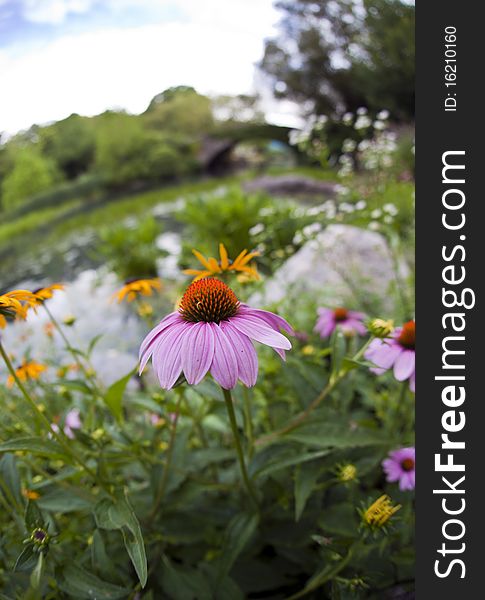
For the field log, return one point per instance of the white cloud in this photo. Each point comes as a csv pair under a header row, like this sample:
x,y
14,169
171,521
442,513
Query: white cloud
x,y
214,50
53,11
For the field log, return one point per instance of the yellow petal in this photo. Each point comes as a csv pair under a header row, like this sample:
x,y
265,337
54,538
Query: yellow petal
x,y
240,256
247,258
224,257
201,258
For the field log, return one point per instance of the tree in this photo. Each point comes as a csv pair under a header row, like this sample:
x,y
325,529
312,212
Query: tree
x,y
180,109
70,143
31,174
336,55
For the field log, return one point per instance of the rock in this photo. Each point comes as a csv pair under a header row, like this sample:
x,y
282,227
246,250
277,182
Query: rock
x,y
291,185
342,265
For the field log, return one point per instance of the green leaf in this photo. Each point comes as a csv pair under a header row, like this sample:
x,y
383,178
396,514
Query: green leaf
x,y
58,501
36,445
33,516
184,583
118,514
274,458
114,395
237,535
337,435
24,560
10,477
36,574
79,583
93,343
305,479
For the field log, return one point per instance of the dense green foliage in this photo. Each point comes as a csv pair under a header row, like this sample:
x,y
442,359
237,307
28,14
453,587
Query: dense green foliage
x,y
336,57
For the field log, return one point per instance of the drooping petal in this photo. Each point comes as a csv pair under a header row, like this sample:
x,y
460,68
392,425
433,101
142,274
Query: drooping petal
x,y
412,382
274,321
247,359
148,343
392,469
224,366
167,354
197,352
404,365
257,329
352,325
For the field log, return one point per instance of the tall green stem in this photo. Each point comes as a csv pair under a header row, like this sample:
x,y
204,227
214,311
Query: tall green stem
x,y
237,443
69,348
248,422
168,460
40,415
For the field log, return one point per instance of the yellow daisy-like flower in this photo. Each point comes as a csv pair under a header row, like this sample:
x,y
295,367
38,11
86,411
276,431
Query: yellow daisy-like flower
x,y
138,287
31,494
212,266
379,513
27,370
47,292
15,304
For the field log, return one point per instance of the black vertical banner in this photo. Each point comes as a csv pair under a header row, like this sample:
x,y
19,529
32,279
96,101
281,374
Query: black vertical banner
x,y
450,259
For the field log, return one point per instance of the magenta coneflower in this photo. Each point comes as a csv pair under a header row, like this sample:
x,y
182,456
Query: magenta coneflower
x,y
398,352
349,321
212,332
401,466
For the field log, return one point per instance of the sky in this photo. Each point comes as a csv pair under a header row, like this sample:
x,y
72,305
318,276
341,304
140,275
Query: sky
x,y
85,56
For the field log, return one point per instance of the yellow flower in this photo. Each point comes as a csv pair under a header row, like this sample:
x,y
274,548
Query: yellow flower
x,y
31,494
138,287
28,370
379,513
346,472
308,350
16,304
47,292
381,328
212,266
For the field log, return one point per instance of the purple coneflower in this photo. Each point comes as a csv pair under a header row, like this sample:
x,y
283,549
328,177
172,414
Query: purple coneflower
x,y
212,332
401,466
349,321
398,352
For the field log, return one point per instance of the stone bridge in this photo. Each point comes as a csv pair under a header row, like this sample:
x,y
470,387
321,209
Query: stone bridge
x,y
216,148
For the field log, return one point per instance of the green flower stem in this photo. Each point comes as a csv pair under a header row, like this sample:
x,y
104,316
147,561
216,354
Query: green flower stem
x,y
89,376
300,418
237,443
41,417
168,460
248,421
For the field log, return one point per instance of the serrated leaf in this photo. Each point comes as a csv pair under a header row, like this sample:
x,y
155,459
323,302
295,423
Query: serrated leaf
x,y
79,583
36,445
114,395
118,514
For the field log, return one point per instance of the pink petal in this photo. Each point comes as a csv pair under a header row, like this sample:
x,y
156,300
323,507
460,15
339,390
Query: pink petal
x,y
224,367
246,357
407,481
257,329
167,354
385,356
197,352
148,344
404,365
412,382
353,314
392,469
325,327
354,325
274,321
